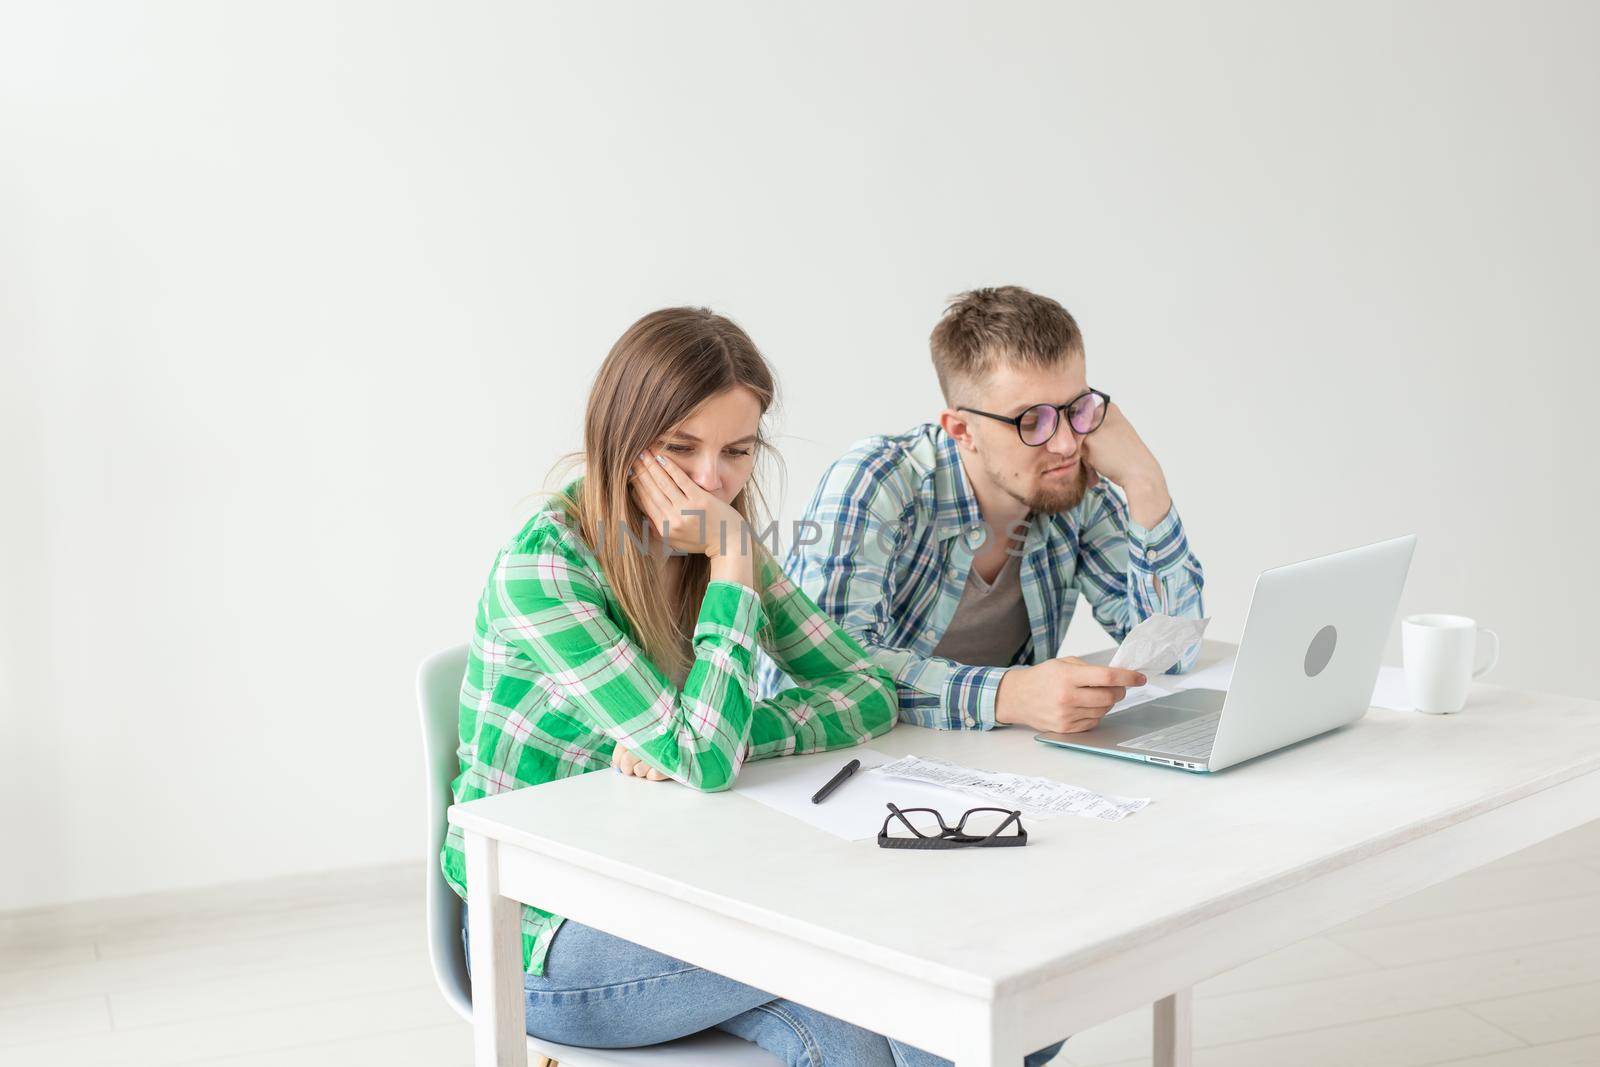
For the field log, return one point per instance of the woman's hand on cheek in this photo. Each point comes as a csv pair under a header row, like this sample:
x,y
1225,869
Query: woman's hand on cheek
x,y
645,486
667,506
624,762
697,522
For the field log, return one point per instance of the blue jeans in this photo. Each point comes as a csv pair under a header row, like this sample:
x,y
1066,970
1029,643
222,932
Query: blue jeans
x,y
600,991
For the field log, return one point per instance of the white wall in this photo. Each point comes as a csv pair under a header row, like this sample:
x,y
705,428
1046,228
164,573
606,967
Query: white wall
x,y
298,300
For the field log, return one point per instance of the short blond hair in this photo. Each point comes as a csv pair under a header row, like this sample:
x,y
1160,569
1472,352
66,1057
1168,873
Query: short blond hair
x,y
983,328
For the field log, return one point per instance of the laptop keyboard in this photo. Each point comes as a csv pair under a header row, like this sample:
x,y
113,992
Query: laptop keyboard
x,y
1192,738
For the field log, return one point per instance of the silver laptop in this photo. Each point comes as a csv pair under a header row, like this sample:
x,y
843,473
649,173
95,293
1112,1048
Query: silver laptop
x,y
1307,663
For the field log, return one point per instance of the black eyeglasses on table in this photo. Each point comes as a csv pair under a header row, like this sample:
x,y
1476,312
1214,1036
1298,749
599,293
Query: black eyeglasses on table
x,y
926,828
1038,424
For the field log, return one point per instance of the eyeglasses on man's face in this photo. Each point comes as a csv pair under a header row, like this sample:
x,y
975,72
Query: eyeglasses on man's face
x,y
1038,424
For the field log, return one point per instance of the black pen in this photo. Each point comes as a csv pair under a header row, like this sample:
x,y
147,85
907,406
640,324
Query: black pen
x,y
833,783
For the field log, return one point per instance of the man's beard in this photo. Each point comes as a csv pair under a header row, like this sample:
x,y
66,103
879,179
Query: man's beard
x,y
1045,500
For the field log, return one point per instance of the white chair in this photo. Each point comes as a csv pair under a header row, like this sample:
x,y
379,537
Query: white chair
x,y
438,694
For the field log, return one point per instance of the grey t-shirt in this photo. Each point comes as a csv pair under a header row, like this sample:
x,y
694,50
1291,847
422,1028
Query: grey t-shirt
x,y
991,622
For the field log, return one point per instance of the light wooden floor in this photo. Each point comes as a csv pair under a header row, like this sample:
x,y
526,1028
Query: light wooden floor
x,y
1499,968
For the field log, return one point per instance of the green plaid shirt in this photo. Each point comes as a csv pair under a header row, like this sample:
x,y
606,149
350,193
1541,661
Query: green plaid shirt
x,y
555,682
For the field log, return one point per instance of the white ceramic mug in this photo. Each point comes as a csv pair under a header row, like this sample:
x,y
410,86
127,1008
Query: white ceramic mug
x,y
1440,651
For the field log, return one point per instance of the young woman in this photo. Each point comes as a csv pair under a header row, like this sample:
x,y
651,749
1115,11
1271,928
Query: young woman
x,y
595,644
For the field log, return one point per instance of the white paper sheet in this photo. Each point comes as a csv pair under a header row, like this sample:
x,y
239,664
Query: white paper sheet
x,y
855,811
1217,675
1389,691
1036,797
1139,694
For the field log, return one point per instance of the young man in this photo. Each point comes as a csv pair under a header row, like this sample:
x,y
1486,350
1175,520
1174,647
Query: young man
x,y
955,552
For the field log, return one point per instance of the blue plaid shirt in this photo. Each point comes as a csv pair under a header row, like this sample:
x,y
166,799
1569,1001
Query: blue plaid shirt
x,y
899,525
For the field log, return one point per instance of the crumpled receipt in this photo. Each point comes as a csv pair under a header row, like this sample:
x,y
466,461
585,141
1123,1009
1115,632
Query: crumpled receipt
x,y
1157,643
1033,796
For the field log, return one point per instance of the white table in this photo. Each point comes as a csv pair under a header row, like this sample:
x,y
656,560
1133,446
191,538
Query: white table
x,y
983,955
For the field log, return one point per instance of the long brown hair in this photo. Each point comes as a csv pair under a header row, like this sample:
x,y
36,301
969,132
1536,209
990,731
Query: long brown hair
x,y
660,370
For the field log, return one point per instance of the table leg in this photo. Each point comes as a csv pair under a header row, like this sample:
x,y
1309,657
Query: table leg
x,y
494,924
995,1047
1174,1038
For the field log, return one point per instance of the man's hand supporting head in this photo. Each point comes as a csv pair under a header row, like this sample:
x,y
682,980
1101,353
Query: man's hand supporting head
x,y
1117,453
